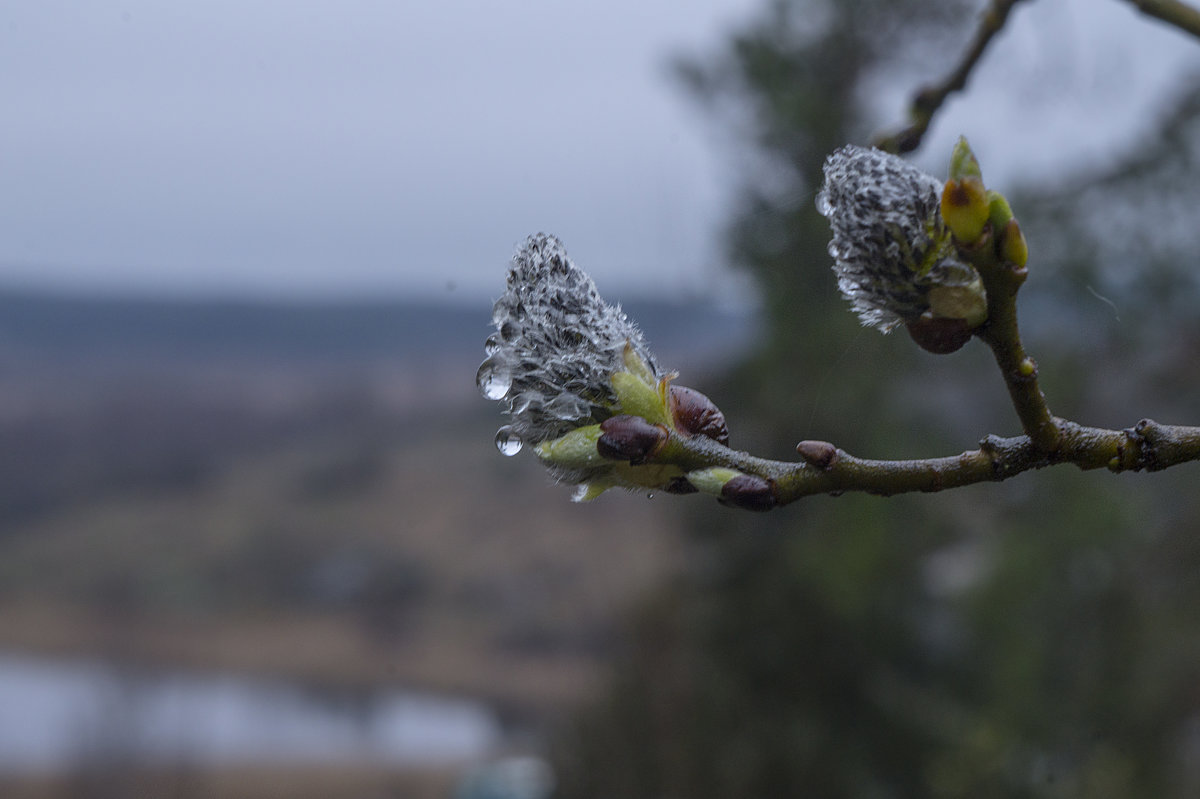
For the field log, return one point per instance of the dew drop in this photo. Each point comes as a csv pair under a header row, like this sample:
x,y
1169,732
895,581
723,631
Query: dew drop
x,y
492,344
824,206
494,379
508,442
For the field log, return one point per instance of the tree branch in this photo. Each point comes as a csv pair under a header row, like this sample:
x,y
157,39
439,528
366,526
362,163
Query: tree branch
x,y
1148,446
1172,12
1001,280
928,101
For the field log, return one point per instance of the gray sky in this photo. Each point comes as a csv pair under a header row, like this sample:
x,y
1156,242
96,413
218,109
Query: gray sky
x,y
383,148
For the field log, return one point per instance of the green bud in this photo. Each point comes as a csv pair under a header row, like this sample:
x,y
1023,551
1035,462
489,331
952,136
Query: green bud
x,y
712,479
999,211
1013,247
965,208
636,397
636,364
964,200
575,450
963,163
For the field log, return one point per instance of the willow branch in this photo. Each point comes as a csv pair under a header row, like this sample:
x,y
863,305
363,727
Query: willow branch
x,y
1172,12
929,100
1148,446
1002,279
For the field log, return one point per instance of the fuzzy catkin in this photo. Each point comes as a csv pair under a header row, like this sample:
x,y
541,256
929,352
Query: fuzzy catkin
x,y
559,342
890,245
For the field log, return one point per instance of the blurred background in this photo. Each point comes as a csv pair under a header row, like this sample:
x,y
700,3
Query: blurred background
x,y
256,540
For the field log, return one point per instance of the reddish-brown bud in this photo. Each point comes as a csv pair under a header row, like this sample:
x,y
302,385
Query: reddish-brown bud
x,y
695,414
749,492
629,438
821,454
938,334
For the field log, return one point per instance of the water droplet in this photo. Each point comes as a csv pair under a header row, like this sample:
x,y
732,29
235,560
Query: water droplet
x,y
650,495
508,442
492,344
567,407
494,379
824,207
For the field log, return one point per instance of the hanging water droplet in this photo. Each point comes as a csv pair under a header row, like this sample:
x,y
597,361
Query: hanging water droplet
x,y
824,207
508,442
494,379
492,344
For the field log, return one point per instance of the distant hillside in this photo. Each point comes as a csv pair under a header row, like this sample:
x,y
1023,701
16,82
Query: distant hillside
x,y
44,327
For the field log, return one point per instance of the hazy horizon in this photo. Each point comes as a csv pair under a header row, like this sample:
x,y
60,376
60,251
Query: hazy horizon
x,y
404,150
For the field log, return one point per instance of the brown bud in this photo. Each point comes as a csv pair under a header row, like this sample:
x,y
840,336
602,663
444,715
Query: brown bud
x,y
821,454
749,492
629,438
938,334
695,414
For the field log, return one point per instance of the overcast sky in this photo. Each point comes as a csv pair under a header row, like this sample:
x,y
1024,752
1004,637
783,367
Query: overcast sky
x,y
381,148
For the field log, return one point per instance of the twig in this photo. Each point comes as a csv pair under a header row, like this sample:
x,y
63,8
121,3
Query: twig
x,y
929,100
1146,446
1001,280
1172,12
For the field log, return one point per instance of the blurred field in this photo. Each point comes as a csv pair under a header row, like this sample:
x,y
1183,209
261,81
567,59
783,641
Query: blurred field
x,y
304,492
302,783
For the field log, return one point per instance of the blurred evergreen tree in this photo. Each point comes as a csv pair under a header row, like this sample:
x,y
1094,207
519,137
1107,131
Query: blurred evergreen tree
x,y
1037,638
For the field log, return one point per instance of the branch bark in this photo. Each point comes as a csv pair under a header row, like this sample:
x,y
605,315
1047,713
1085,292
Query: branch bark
x,y
1172,12
929,100
1147,446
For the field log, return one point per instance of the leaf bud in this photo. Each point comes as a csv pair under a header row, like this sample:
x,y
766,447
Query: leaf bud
x,y
577,449
636,397
939,334
963,163
749,492
965,208
695,414
999,211
629,438
712,479
821,454
1013,247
